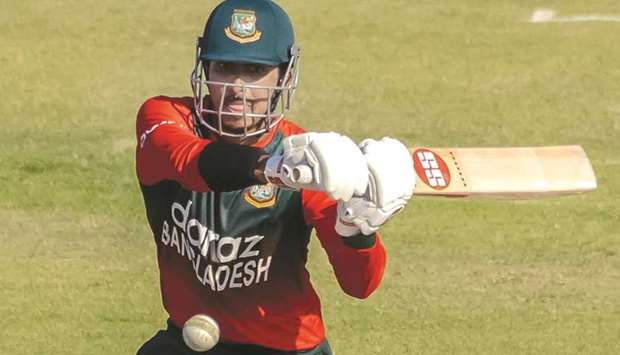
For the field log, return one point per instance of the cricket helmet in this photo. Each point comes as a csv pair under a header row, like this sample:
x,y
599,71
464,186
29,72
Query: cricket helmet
x,y
250,32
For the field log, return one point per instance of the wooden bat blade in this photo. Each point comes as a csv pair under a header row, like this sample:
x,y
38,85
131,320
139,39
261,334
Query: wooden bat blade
x,y
503,173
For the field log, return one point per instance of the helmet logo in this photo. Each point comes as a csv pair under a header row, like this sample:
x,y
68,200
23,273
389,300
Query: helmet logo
x,y
242,27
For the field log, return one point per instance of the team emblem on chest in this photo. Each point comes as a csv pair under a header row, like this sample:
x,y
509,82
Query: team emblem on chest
x,y
260,196
242,27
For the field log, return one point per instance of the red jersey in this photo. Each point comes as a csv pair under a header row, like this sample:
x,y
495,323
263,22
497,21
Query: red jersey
x,y
239,256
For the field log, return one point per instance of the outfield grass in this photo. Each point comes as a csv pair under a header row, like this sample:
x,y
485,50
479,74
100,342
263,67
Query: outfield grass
x,y
77,264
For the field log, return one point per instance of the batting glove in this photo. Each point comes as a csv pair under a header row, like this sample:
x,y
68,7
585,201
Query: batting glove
x,y
327,162
390,185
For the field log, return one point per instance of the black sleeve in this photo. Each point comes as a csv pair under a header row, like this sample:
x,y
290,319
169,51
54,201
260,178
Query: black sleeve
x,y
228,167
360,241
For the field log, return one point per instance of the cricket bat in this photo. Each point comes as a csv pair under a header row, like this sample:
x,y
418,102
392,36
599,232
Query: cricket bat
x,y
502,173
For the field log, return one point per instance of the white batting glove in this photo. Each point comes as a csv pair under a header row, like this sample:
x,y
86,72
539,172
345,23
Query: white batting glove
x,y
390,186
327,162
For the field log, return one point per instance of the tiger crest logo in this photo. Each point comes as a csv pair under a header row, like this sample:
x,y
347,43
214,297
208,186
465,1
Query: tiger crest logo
x,y
260,196
242,27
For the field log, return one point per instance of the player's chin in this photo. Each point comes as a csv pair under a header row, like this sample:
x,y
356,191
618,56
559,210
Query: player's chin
x,y
235,121
237,124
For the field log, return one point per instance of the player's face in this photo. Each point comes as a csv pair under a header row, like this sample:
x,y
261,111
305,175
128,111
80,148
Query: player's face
x,y
256,99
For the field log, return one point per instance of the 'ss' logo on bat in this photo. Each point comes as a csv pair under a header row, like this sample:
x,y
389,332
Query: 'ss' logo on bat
x,y
431,169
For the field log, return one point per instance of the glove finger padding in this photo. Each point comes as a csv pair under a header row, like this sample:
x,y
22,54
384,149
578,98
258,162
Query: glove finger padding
x,y
364,215
338,166
391,184
344,171
391,169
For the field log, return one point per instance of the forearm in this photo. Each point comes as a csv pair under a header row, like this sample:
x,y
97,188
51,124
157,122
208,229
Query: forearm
x,y
229,167
360,273
358,261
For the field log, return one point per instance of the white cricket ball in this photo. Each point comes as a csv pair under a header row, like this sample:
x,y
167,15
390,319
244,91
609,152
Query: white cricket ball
x,y
201,333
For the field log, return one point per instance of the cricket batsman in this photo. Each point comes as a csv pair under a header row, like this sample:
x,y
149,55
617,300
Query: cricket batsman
x,y
233,190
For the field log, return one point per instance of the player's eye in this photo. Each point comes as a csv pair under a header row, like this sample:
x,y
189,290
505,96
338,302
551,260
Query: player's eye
x,y
257,69
227,68
222,67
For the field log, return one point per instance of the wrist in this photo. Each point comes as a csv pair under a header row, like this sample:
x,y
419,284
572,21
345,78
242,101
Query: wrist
x,y
259,170
346,228
272,169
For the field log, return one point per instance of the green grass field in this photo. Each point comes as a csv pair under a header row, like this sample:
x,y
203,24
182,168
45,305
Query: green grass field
x,y
78,272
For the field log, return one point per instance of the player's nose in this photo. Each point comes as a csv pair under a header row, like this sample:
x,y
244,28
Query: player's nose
x,y
238,86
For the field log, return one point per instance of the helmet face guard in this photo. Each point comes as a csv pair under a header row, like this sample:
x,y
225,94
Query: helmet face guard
x,y
209,114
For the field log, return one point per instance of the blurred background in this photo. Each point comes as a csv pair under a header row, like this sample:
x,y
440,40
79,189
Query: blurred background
x,y
78,273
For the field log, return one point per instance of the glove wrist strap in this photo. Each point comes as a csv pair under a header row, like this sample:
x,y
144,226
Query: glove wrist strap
x,y
273,167
346,228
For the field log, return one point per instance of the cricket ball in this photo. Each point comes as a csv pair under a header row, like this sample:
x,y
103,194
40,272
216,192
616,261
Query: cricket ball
x,y
201,333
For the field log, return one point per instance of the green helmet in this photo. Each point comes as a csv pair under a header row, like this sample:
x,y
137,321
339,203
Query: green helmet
x,y
253,32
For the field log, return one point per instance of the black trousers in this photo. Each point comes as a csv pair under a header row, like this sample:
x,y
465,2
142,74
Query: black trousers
x,y
170,342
